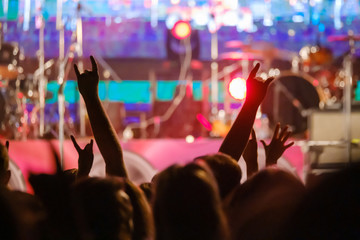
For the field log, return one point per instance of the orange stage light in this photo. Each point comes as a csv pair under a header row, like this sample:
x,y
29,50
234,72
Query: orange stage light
x,y
181,30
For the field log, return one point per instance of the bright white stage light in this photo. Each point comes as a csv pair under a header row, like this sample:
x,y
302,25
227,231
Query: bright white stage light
x,y
189,139
175,2
201,19
230,18
237,88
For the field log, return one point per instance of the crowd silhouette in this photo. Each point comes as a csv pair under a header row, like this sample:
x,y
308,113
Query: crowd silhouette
x,y
200,200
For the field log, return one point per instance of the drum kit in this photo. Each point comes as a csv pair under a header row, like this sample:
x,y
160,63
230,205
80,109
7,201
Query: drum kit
x,y
304,81
17,91
23,96
14,87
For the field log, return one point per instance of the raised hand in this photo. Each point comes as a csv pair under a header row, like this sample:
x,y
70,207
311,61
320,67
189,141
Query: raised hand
x,y
88,81
238,136
256,87
250,155
277,146
86,157
104,133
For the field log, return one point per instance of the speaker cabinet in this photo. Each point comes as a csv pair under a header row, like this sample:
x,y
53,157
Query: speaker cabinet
x,y
327,127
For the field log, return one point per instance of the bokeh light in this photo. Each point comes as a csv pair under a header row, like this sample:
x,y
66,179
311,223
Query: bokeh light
x,y
237,88
181,30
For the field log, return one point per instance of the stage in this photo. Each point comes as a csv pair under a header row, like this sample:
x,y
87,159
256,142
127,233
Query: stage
x,y
147,156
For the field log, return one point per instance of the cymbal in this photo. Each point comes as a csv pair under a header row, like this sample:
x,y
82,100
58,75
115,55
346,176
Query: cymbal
x,y
343,38
268,51
234,44
240,56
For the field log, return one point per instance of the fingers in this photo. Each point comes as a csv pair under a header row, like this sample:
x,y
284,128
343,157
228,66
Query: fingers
x,y
269,80
7,144
276,131
93,64
283,132
287,135
254,71
289,145
89,146
76,71
76,145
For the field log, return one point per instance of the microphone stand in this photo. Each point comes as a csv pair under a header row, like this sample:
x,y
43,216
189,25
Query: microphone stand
x,y
348,67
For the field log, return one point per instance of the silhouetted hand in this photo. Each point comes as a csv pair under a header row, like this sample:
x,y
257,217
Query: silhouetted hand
x,y
277,146
250,155
88,81
7,144
256,87
86,157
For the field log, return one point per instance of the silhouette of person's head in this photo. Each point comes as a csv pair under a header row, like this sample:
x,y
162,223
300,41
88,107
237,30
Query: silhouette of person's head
x,y
9,227
103,209
260,207
225,169
330,209
187,205
142,215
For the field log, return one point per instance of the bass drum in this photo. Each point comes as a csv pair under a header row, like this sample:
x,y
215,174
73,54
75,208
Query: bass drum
x,y
296,94
138,169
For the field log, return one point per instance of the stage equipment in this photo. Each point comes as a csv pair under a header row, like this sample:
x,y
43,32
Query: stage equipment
x,y
332,133
290,99
65,65
138,168
347,95
327,148
9,61
315,58
175,46
214,72
42,80
17,180
185,79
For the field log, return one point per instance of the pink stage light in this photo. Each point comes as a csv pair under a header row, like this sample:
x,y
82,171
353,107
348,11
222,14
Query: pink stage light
x,y
181,30
204,121
237,88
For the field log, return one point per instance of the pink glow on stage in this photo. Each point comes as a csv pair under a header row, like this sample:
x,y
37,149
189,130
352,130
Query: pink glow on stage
x,y
36,156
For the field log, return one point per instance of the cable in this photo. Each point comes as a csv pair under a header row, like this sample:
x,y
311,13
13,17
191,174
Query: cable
x,y
177,100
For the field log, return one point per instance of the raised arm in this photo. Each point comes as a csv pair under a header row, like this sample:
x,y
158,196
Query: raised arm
x,y
250,155
86,158
237,138
104,133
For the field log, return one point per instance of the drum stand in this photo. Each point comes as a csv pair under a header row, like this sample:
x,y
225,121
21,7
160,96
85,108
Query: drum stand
x,y
280,88
318,146
348,67
42,79
75,47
